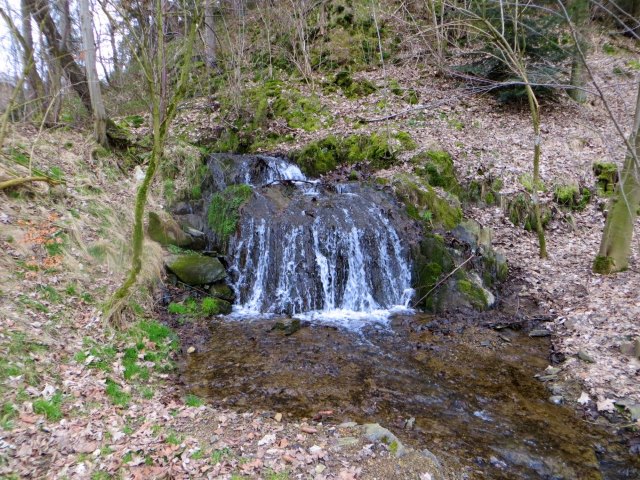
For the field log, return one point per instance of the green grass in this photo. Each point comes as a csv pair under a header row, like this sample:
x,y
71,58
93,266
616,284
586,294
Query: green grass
x,y
271,475
8,413
116,394
224,209
50,293
198,454
193,401
219,455
52,409
173,439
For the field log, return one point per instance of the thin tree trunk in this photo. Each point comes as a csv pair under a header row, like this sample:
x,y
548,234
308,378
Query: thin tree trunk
x,y
97,105
35,87
615,247
114,50
535,119
209,35
580,10
40,11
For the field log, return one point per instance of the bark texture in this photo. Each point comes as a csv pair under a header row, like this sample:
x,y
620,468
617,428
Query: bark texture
x,y
615,247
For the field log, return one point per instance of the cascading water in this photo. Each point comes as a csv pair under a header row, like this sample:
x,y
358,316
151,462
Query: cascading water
x,y
312,251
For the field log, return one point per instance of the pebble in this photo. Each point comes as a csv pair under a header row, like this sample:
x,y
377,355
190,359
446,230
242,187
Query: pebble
x,y
191,349
347,441
348,425
278,417
497,463
585,357
557,399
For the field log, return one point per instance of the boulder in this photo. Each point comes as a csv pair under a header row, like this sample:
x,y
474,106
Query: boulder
x,y
221,290
196,269
166,231
373,432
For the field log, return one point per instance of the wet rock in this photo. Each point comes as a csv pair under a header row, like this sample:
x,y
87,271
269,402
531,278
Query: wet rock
x,y
541,332
556,399
497,463
221,290
373,432
585,357
408,425
166,231
196,269
288,326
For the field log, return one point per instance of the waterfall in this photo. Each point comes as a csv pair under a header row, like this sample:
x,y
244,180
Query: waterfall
x,y
309,251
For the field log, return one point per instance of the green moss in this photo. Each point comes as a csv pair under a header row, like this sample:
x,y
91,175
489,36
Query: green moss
x,y
526,180
420,197
572,196
319,157
521,212
474,294
210,306
606,177
437,167
322,156
405,140
432,261
353,88
224,209
485,190
603,265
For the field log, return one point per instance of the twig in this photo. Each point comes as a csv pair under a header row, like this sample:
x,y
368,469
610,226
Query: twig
x,y
404,112
443,280
14,182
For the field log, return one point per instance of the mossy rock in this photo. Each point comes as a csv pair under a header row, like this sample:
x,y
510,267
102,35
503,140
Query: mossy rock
x,y
196,269
437,167
215,306
224,210
166,231
572,196
322,156
473,293
432,260
606,177
222,290
425,203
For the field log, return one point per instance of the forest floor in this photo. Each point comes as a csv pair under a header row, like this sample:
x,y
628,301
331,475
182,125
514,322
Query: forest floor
x,y
83,400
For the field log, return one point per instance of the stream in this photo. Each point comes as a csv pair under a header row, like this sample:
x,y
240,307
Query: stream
x,y
322,280
471,391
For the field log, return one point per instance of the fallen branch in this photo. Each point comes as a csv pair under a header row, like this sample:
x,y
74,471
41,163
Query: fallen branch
x,y
415,304
405,112
15,182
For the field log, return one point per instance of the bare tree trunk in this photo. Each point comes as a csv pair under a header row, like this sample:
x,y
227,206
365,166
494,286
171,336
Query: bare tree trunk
x,y
97,105
615,246
114,50
580,10
535,119
209,34
35,87
40,11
